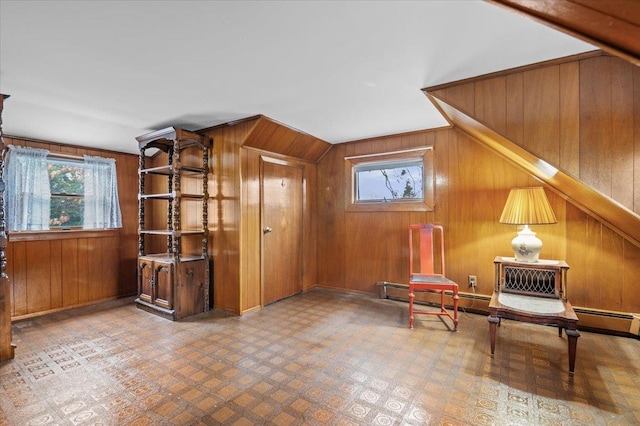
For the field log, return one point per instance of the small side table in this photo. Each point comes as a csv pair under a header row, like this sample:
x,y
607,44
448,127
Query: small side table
x,y
534,293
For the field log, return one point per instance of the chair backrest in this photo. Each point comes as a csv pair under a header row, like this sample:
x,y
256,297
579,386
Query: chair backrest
x,y
426,249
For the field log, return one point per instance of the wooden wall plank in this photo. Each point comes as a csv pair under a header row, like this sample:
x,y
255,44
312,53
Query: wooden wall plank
x,y
541,109
578,277
636,137
462,96
570,122
9,287
594,260
491,103
331,224
38,276
612,284
310,236
631,270
622,133
109,273
55,271
85,291
595,123
365,267
71,289
18,277
252,226
515,107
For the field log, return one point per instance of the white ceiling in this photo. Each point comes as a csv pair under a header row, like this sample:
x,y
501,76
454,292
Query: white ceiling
x,y
100,73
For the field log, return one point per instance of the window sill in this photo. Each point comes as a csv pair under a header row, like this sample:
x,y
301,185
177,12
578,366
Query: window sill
x,y
61,234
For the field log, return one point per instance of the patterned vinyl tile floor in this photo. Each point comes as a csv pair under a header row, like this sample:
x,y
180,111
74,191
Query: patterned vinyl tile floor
x,y
319,358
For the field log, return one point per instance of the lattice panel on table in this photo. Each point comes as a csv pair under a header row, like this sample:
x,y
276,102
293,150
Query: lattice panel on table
x,y
529,280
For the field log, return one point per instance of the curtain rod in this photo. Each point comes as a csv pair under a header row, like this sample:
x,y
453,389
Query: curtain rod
x,y
68,156
54,154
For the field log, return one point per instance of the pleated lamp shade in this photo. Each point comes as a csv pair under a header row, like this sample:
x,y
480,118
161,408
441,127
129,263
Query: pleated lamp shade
x,y
527,206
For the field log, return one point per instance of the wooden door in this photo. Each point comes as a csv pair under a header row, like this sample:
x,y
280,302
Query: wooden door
x,y
164,285
282,209
191,278
145,285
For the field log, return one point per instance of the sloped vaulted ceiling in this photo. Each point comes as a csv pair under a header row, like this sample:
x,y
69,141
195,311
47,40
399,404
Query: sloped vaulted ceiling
x,y
100,73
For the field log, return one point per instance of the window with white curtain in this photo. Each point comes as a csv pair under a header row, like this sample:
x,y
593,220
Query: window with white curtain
x,y
47,192
101,207
27,192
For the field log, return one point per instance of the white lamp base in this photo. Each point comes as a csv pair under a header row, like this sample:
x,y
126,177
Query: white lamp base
x,y
526,246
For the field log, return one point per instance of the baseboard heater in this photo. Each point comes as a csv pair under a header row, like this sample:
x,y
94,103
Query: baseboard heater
x,y
596,320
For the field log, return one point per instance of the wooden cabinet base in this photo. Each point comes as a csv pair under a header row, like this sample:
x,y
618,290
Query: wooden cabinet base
x,y
154,309
171,288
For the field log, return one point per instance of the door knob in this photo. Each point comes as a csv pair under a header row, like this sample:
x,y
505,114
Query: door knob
x,y
267,230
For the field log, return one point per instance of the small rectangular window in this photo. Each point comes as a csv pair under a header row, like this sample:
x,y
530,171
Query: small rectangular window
x,y
389,181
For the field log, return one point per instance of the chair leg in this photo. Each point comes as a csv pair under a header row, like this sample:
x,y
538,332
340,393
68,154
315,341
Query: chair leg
x,y
455,309
411,296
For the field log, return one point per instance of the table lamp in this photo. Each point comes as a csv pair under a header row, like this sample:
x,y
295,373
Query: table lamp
x,y
527,206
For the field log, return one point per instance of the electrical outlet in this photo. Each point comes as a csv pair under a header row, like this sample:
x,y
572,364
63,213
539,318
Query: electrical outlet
x,y
472,281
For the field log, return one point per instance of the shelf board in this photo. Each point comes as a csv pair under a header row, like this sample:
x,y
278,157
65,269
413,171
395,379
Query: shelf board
x,y
164,139
172,232
168,257
168,170
170,196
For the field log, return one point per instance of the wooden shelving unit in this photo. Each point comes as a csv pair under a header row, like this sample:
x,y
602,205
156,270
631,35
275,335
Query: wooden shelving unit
x,y
174,284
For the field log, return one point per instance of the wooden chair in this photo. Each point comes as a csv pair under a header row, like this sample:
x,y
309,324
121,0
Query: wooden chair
x,y
424,254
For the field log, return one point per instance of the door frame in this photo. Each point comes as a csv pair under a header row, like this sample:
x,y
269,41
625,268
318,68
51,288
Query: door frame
x,y
282,162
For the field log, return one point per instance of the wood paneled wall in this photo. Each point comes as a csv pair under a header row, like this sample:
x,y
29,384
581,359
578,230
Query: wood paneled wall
x,y
225,214
64,271
235,218
356,250
582,116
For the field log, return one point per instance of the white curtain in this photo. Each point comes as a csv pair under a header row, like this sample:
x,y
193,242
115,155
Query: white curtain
x,y
101,206
28,196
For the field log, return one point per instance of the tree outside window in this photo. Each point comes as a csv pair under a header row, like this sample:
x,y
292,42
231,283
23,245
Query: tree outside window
x,y
66,179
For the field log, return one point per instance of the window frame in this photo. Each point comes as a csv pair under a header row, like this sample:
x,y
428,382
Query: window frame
x,y
401,204
53,158
59,232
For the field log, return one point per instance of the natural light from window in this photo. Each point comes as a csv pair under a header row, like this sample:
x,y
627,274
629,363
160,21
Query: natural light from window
x,y
389,181
66,179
